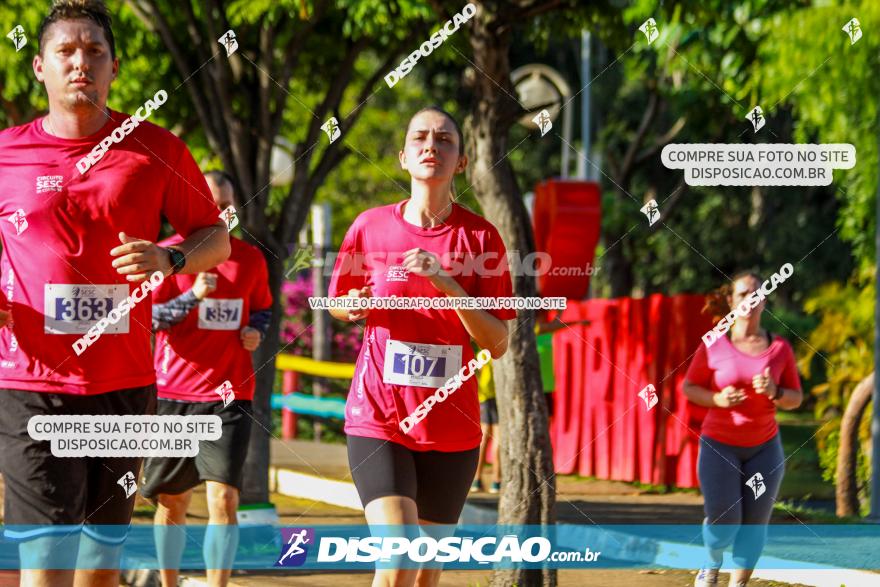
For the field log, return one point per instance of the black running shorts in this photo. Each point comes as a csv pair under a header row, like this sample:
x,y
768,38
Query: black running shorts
x,y
45,490
437,481
218,460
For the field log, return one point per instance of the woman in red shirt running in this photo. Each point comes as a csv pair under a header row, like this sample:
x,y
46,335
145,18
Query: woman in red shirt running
x,y
416,467
742,380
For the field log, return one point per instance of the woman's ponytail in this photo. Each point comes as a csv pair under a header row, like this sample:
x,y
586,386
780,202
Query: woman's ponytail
x,y
716,302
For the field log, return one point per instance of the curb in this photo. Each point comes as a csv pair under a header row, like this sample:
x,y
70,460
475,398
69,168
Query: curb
x,y
303,485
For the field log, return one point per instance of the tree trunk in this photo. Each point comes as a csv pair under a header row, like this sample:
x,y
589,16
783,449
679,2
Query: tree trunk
x,y
241,110
526,456
256,466
618,265
847,450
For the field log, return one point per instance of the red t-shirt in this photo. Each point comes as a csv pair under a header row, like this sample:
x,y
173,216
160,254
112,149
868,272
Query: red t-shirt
x,y
195,356
384,393
58,227
752,422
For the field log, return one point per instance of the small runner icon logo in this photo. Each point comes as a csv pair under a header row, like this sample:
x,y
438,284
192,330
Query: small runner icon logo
x,y
229,42
854,29
652,211
229,217
542,119
756,117
648,394
225,392
19,221
19,39
295,548
331,127
757,485
649,27
303,258
128,484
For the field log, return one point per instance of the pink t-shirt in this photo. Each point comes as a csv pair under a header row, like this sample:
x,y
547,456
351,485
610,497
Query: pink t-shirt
x,y
195,356
752,422
58,227
408,354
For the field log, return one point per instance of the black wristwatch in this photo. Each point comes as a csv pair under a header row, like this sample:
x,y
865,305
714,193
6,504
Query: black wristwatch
x,y
178,260
779,393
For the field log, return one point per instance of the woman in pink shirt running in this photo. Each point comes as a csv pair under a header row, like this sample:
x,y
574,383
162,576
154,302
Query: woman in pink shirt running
x,y
742,378
412,436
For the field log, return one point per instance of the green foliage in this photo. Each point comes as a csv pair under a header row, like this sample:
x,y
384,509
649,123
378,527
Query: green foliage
x,y
20,96
808,515
840,352
831,86
803,478
144,66
371,176
702,69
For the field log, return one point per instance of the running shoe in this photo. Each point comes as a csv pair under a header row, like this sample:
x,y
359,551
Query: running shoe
x,y
495,487
706,578
476,486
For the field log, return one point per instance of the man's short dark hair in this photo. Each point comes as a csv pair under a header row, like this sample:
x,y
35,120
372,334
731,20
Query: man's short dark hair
x,y
93,10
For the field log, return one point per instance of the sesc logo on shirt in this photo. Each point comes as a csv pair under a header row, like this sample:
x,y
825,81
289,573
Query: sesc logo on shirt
x,y
49,183
396,273
220,314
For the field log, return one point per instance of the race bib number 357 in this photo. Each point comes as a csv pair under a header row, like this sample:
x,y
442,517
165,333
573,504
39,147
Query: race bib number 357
x,y
74,308
420,365
220,314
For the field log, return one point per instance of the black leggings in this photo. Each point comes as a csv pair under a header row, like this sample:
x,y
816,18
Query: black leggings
x,y
733,514
437,481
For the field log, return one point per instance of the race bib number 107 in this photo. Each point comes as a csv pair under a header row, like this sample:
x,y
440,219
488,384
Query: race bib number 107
x,y
74,308
420,365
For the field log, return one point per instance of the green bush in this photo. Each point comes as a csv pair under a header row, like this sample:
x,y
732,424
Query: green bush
x,y
839,352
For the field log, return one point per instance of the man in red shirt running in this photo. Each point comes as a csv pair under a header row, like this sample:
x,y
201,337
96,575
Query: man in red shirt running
x,y
76,241
206,327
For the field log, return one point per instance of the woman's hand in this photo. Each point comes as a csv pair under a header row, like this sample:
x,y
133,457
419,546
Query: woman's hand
x,y
427,265
364,292
764,384
729,396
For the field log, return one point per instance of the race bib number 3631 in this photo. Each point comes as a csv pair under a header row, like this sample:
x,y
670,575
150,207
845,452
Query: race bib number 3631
x,y
420,365
220,314
74,308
